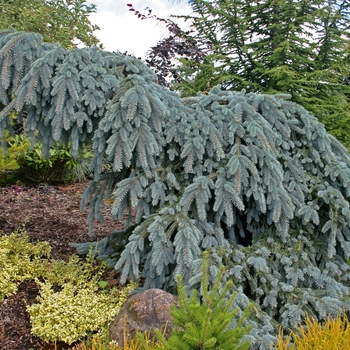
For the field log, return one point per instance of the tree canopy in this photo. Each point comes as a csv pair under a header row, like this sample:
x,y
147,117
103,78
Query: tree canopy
x,y
63,21
254,179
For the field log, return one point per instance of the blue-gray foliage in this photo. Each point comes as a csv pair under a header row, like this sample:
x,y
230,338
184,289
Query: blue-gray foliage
x,y
254,179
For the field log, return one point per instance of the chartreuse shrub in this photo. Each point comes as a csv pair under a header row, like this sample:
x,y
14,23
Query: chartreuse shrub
x,y
19,261
254,178
80,307
334,334
8,160
71,303
75,311
8,156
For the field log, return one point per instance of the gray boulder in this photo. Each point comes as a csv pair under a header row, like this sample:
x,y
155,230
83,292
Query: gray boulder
x,y
141,312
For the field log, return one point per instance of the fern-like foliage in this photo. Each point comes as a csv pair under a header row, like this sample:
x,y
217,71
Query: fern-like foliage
x,y
254,178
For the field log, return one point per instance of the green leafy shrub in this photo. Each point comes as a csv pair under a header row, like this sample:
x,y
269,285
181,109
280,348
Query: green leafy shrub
x,y
208,323
58,166
24,162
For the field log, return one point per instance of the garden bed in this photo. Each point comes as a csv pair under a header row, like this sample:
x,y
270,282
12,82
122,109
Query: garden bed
x,y
46,213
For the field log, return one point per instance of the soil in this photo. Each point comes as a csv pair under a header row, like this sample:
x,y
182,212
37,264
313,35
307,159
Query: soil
x,y
46,213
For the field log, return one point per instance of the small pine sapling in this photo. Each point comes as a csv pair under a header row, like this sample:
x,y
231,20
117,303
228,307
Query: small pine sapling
x,y
206,324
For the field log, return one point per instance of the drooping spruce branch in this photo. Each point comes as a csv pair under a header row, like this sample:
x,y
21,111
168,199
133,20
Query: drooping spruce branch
x,y
253,178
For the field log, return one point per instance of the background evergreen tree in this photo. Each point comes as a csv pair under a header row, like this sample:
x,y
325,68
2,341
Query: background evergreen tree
x,y
253,178
284,46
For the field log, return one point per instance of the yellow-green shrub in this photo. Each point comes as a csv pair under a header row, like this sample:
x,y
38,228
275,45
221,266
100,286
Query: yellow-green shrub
x,y
73,312
78,307
333,335
74,270
8,157
7,161
19,261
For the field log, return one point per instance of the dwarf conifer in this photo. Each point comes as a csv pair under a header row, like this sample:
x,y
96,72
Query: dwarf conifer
x,y
209,323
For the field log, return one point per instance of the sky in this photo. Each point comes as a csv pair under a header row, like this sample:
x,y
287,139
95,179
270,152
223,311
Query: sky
x,y
120,30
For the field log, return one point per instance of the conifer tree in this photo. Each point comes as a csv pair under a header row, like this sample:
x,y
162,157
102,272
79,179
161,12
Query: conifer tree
x,y
207,324
284,46
253,178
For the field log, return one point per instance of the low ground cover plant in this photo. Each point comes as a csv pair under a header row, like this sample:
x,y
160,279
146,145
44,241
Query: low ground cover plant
x,y
72,303
19,261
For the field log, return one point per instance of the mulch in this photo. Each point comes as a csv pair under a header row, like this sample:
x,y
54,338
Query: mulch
x,y
46,213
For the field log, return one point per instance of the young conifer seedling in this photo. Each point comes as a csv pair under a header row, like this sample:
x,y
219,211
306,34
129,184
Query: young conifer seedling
x,y
207,324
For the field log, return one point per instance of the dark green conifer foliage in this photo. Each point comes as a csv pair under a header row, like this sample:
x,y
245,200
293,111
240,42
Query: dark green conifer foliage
x,y
207,324
276,46
254,178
